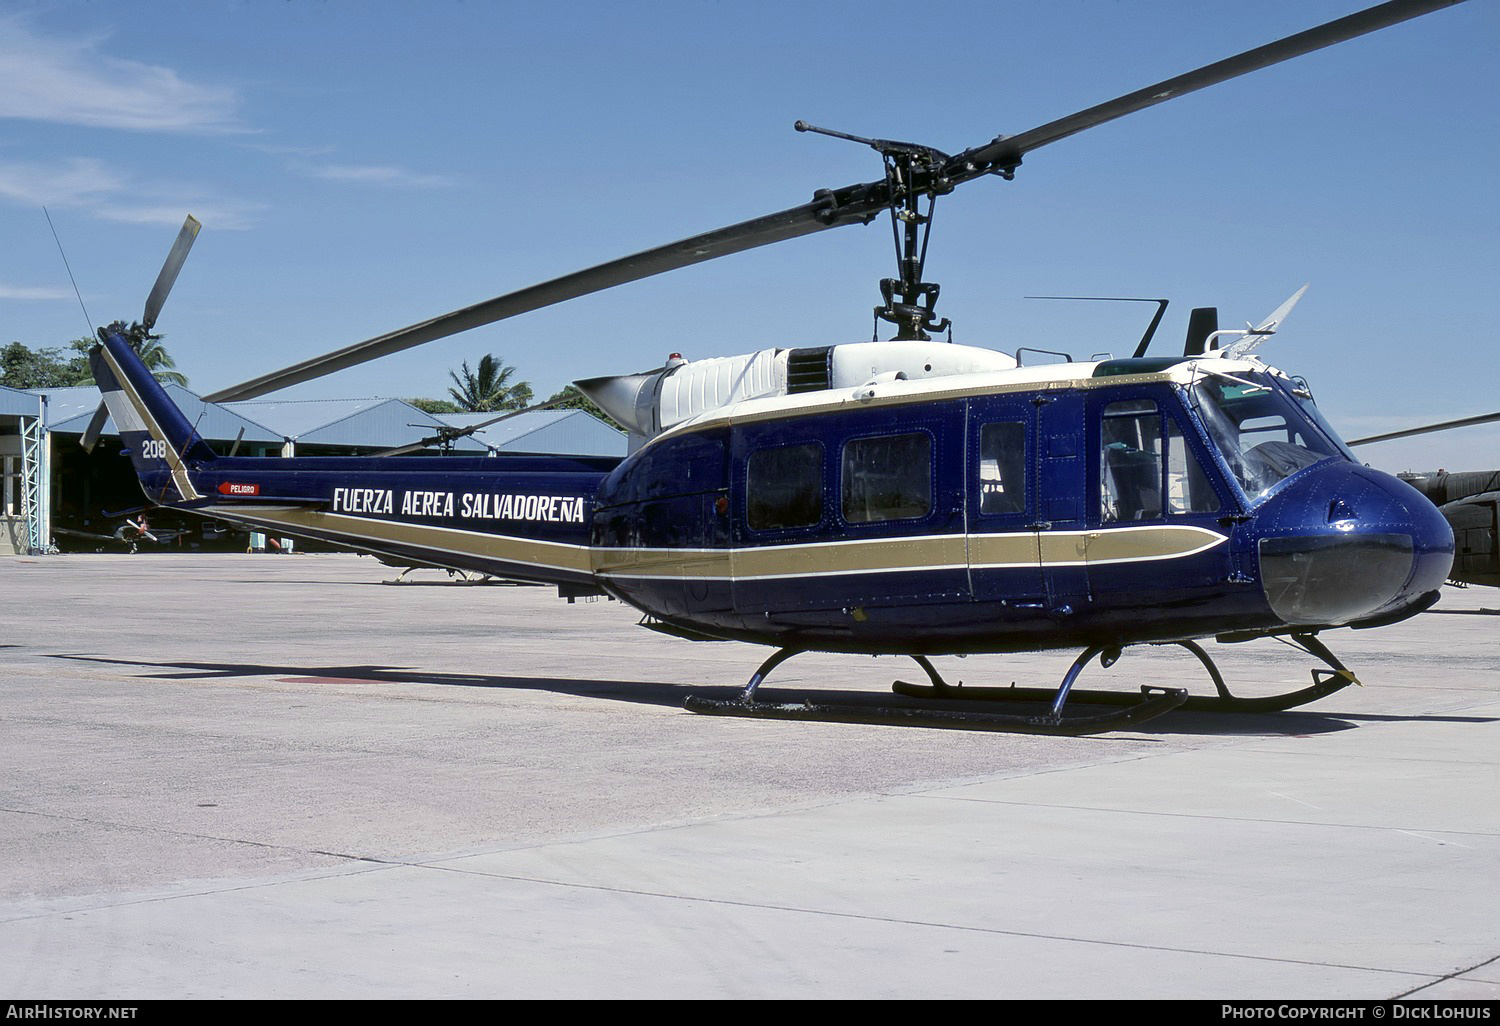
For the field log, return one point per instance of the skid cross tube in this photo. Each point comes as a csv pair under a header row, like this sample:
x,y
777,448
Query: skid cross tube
x,y
1152,702
1325,683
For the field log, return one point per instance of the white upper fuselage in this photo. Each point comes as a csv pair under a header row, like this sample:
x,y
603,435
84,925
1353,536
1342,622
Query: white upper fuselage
x,y
695,394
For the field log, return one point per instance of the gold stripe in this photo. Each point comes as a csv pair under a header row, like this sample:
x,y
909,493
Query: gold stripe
x,y
614,562
1062,548
935,552
929,552
1133,544
999,550
529,551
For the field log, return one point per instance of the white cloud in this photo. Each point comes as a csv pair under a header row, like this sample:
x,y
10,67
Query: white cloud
x,y
220,214
88,185
376,174
32,292
290,150
72,183
71,82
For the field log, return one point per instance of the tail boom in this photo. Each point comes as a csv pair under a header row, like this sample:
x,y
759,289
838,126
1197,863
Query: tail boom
x,y
526,517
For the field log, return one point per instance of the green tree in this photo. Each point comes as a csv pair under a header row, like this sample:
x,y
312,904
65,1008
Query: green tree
x,y
435,405
21,367
489,388
572,399
78,370
59,367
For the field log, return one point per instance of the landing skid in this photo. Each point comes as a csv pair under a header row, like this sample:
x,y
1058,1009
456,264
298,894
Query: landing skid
x,y
454,576
1151,702
1325,683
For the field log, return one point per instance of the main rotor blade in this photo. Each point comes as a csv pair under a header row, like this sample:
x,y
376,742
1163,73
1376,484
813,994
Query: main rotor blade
x,y
1447,425
762,231
168,275
855,204
1007,151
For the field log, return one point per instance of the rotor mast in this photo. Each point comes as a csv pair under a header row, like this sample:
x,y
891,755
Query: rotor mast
x,y
911,171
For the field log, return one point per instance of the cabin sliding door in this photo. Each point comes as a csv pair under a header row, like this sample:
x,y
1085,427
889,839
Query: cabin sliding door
x,y
1001,503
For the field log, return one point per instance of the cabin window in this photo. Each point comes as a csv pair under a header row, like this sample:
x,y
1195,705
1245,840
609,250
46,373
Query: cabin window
x,y
1188,487
784,487
1131,461
887,478
1002,468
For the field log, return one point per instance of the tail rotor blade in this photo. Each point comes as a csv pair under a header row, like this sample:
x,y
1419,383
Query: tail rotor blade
x,y
96,427
168,275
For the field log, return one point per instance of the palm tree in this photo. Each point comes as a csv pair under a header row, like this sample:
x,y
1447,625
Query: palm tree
x,y
488,389
161,365
148,346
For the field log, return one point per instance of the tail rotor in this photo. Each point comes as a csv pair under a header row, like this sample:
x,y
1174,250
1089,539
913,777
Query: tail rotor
x,y
141,331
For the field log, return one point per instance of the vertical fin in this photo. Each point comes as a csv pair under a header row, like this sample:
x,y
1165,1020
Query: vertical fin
x,y
163,446
1202,322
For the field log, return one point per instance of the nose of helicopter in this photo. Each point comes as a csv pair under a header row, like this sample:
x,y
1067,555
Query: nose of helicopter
x,y
1346,544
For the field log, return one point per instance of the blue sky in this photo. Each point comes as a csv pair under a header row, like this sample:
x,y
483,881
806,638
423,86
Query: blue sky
x,y
362,166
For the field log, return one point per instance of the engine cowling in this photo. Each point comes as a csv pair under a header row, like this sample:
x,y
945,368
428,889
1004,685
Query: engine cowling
x,y
651,402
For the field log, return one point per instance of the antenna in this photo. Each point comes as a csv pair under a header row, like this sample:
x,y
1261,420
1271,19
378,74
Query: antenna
x,y
87,319
1161,308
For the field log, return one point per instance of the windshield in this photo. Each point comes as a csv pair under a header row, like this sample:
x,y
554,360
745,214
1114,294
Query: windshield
x,y
1299,390
1264,433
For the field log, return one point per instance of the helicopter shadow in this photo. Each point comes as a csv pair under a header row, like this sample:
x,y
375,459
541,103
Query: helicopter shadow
x,y
1289,723
637,692
385,582
672,696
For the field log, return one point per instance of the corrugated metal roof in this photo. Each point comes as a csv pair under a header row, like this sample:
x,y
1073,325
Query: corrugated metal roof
x,y
66,403
570,432
355,423
384,423
69,411
15,402
294,418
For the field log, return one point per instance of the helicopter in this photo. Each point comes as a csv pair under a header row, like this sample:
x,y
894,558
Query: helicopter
x,y
910,496
1470,500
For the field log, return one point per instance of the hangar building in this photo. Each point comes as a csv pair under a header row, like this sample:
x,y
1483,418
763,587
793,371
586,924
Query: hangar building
x,y
52,493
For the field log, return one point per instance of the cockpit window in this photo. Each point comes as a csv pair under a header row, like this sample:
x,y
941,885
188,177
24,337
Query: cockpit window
x,y
1144,473
1130,464
1264,433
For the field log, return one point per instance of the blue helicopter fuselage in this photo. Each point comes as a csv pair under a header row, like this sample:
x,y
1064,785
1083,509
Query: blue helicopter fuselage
x,y
1115,507
1111,503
